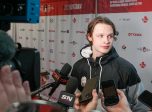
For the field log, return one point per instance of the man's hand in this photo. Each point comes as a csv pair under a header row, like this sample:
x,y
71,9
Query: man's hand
x,y
11,88
122,105
86,107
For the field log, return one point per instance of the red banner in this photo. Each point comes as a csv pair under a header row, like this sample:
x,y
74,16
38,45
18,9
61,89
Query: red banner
x,y
118,6
66,7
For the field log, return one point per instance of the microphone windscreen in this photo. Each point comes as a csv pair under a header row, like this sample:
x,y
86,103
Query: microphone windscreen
x,y
7,46
72,85
65,69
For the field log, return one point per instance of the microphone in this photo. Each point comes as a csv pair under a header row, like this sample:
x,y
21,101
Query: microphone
x,y
42,88
67,97
8,49
60,77
66,100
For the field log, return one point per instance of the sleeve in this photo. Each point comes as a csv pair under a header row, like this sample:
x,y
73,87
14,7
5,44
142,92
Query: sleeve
x,y
75,73
132,94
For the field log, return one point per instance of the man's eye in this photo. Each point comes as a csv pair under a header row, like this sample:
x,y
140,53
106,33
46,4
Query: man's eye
x,y
101,36
111,36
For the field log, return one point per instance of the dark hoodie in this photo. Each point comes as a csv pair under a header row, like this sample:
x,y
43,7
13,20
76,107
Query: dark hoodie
x,y
110,66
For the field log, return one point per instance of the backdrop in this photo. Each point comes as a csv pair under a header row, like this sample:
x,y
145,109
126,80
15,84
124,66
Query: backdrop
x,y
61,33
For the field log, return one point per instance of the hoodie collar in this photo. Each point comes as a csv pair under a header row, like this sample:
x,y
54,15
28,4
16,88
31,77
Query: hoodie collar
x,y
86,52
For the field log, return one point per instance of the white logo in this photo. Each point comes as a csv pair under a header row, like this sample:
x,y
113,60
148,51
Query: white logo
x,y
65,97
83,81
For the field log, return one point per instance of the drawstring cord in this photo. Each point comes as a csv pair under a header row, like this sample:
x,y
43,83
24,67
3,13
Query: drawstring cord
x,y
100,71
90,67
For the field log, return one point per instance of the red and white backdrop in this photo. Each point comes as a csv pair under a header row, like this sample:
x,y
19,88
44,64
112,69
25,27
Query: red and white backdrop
x,y
61,33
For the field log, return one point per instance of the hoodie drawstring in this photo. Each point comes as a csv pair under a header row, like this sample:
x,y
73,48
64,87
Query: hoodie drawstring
x,y
90,67
100,71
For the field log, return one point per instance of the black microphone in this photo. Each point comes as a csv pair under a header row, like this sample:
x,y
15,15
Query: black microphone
x,y
60,77
67,97
48,85
7,48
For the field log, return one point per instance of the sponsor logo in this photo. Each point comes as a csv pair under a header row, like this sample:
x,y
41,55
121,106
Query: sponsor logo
x,y
51,50
74,20
62,41
142,64
145,19
65,97
73,54
40,30
50,7
65,31
72,6
134,34
143,49
73,42
46,8
81,32
51,30
51,61
124,46
124,3
51,20
51,41
124,19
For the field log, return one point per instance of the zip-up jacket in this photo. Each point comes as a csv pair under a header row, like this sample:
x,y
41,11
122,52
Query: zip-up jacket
x,y
110,67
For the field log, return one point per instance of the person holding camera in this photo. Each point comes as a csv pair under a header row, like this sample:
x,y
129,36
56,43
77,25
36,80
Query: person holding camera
x,y
11,86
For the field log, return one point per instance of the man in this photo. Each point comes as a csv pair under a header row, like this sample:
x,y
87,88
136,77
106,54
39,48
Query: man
x,y
101,59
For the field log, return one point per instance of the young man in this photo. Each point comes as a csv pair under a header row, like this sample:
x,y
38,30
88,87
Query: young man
x,y
101,59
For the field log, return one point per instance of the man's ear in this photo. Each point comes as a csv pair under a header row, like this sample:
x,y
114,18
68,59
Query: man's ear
x,y
89,38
